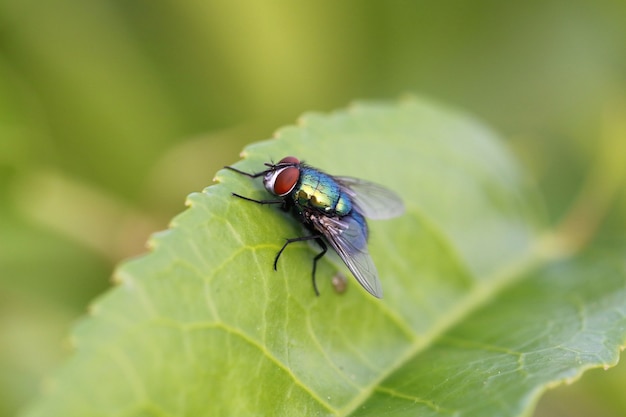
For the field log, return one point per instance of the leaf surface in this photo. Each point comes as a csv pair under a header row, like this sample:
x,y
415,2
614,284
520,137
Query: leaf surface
x,y
476,319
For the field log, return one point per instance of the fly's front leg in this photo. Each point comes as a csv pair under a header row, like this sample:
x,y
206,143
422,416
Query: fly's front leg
x,y
255,175
258,201
247,174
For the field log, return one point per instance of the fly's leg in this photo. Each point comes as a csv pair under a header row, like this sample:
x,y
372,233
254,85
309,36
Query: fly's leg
x,y
259,201
247,174
319,241
292,240
255,175
317,258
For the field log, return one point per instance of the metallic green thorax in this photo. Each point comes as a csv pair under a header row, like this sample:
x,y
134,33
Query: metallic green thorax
x,y
320,191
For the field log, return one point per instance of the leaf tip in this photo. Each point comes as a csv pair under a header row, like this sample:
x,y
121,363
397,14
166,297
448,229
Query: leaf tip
x,y
153,242
189,200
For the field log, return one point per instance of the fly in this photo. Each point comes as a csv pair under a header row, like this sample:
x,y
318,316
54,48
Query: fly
x,y
332,209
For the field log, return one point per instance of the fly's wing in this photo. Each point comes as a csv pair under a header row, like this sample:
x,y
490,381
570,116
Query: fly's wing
x,y
372,200
348,238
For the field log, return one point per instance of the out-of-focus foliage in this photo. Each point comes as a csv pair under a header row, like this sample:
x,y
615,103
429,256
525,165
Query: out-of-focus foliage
x,y
111,112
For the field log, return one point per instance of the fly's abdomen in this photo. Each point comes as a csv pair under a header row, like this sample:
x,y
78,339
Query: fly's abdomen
x,y
321,192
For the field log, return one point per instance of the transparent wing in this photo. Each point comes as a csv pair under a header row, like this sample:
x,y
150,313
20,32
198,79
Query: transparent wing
x,y
348,238
373,200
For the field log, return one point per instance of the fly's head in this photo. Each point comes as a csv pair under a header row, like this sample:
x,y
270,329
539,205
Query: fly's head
x,y
281,178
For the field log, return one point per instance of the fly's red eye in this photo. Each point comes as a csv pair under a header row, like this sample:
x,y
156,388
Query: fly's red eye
x,y
286,180
289,160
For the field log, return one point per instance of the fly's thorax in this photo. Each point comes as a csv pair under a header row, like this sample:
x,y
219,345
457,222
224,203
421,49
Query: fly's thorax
x,y
320,191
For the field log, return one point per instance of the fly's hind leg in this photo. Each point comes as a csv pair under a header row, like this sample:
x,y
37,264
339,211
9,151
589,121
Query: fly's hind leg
x,y
319,241
317,258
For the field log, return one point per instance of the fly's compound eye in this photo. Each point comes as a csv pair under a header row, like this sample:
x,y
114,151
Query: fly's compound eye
x,y
281,181
289,160
286,180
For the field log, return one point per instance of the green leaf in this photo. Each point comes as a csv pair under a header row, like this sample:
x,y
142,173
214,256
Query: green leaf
x,y
477,318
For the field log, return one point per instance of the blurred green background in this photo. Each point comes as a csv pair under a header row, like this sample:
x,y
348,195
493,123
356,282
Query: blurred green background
x,y
111,112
